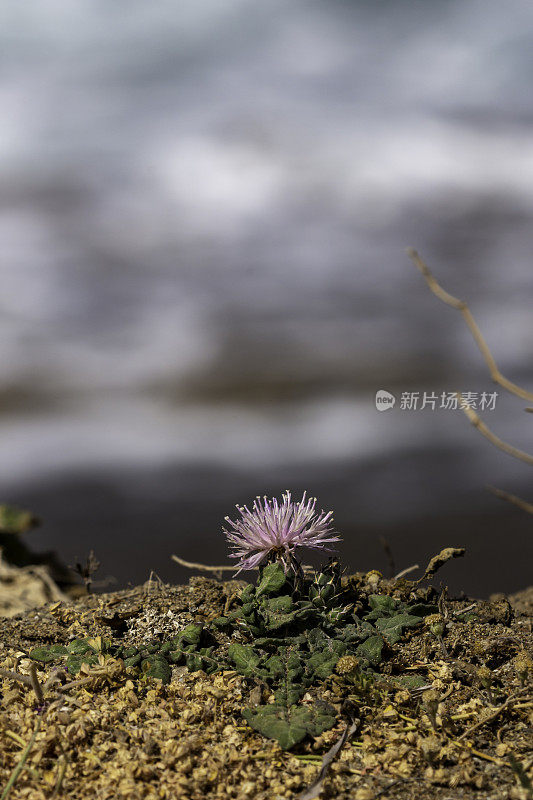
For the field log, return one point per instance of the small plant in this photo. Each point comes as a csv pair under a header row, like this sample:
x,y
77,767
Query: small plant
x,y
87,571
293,633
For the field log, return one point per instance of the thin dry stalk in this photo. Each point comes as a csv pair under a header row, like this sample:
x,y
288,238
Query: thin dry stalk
x,y
406,571
15,676
225,568
36,686
316,787
203,567
20,766
509,702
490,436
461,306
511,498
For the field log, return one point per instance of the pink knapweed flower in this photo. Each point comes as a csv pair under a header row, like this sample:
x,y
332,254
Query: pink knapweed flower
x,y
277,529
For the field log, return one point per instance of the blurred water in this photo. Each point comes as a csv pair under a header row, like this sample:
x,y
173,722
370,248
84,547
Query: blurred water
x,y
203,218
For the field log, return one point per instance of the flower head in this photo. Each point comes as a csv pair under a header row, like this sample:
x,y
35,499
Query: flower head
x,y
277,529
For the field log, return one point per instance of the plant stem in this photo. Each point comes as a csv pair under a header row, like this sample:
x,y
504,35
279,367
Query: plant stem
x,y
20,766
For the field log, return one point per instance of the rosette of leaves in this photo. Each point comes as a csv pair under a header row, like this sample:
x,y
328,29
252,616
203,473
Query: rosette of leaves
x,y
293,647
270,607
277,605
296,640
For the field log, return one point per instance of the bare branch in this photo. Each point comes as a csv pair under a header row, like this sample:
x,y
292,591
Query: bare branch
x,y
226,568
15,676
511,498
492,438
202,567
405,571
461,306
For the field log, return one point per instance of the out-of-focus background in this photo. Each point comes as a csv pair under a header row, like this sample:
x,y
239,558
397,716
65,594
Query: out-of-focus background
x,y
204,210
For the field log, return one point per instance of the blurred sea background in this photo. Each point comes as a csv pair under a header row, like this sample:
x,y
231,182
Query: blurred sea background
x,y
204,210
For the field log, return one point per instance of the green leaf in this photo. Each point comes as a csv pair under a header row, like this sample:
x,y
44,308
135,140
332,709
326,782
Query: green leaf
x,y
79,647
393,627
246,610
46,654
270,642
220,622
247,593
177,655
74,662
278,612
371,649
292,670
322,665
274,621
280,605
194,662
245,658
272,579
382,606
350,633
192,634
157,667
365,629
289,726
274,665
316,638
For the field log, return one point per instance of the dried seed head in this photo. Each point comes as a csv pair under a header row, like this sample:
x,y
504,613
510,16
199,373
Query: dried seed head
x,y
435,623
346,664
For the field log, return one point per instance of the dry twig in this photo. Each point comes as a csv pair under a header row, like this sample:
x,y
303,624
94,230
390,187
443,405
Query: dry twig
x,y
491,717
461,306
492,438
202,567
511,498
316,787
225,568
406,571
